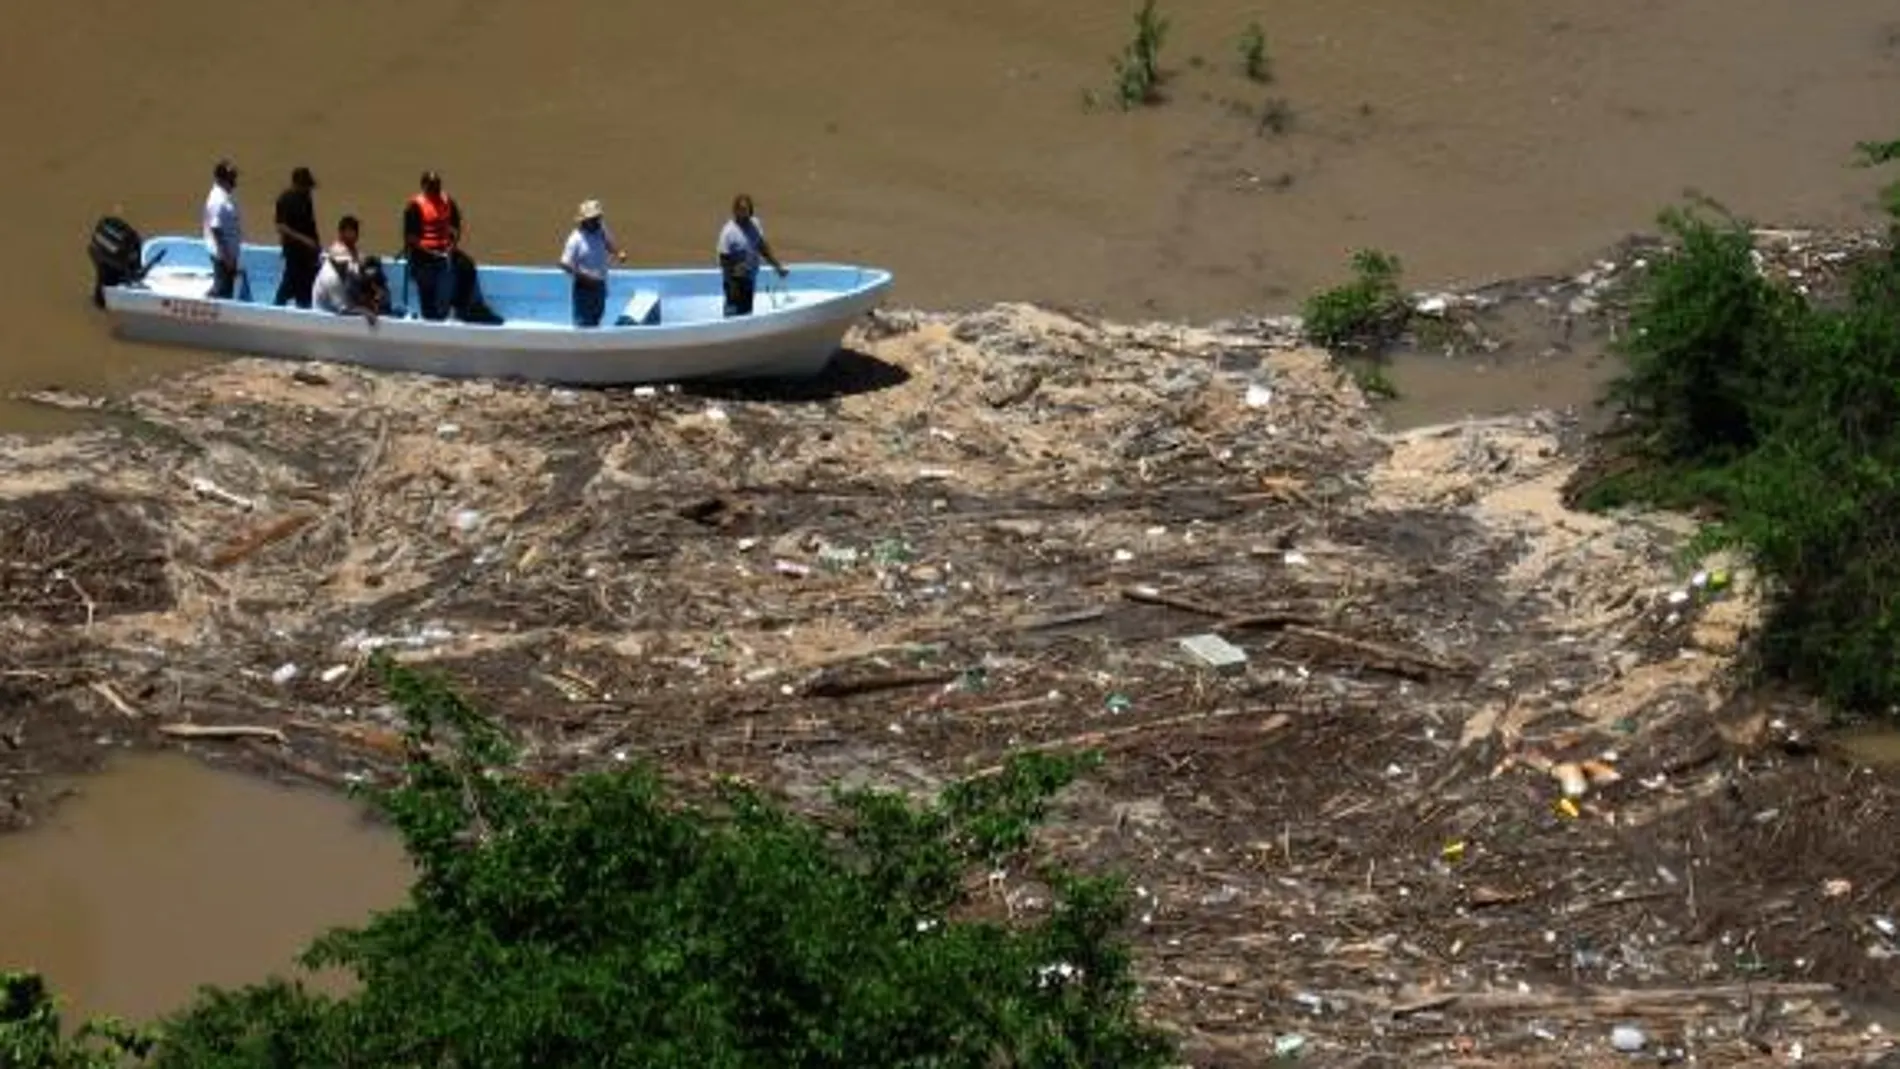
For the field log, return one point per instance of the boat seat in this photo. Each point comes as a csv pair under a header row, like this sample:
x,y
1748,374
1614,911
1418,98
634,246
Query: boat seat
x,y
641,310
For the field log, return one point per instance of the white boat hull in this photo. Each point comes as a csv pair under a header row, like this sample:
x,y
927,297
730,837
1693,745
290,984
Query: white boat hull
x,y
793,334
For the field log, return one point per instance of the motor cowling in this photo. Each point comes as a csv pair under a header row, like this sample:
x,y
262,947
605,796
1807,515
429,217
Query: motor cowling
x,y
118,255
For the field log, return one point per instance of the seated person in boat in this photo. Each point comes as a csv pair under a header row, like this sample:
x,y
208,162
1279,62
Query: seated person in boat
x,y
741,245
468,306
585,257
339,285
371,290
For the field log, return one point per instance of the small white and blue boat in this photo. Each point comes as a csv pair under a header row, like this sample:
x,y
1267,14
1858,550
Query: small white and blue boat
x,y
675,327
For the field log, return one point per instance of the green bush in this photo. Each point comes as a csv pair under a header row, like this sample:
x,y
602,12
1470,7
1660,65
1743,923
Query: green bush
x,y
1366,314
1780,417
1253,54
32,1037
598,924
1706,352
1138,67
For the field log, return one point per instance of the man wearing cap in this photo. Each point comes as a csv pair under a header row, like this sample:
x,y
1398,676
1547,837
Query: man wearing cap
x,y
585,258
223,229
297,232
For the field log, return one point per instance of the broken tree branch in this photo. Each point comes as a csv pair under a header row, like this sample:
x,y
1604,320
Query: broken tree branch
x,y
222,731
1395,659
1147,595
1112,737
249,543
104,690
831,686
1597,1001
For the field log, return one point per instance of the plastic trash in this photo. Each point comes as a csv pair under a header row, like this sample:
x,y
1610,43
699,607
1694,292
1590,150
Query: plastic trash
x,y
1628,1038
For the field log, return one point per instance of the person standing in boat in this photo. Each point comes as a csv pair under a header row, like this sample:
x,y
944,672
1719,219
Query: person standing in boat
x,y
223,229
431,231
741,246
297,232
585,258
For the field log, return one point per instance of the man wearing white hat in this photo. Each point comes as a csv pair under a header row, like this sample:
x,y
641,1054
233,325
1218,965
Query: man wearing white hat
x,y
585,258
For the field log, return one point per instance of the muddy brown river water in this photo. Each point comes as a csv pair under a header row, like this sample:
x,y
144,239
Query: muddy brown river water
x,y
951,142
162,874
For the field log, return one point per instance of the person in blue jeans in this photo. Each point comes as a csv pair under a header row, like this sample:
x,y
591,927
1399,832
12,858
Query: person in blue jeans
x,y
585,257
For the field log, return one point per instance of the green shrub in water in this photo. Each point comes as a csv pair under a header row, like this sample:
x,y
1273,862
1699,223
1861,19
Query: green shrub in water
x,y
1781,417
1253,54
1138,68
596,923
1366,314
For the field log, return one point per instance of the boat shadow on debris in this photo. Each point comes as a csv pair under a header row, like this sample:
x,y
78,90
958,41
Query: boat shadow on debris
x,y
851,372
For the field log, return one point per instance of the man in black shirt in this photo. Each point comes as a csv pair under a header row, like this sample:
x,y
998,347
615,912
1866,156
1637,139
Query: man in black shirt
x,y
297,231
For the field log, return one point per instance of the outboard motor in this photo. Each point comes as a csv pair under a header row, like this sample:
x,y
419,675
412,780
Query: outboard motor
x,y
118,256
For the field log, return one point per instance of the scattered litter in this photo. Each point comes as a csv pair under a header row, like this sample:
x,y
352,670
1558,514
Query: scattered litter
x,y
1215,652
1628,1038
334,673
284,674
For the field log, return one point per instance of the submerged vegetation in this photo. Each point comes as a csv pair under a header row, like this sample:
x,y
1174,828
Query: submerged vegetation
x,y
1139,74
1361,316
1138,68
600,923
1776,414
1253,54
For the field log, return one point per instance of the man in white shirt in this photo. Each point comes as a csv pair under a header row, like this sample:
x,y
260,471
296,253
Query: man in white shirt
x,y
223,229
338,286
585,257
741,245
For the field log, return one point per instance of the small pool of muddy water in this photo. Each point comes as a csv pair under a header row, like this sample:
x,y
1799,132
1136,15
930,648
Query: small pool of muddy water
x,y
161,874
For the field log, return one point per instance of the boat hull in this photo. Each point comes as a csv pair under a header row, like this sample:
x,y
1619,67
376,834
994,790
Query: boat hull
x,y
794,335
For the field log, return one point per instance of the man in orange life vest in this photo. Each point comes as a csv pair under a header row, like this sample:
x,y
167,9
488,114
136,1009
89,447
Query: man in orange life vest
x,y
431,230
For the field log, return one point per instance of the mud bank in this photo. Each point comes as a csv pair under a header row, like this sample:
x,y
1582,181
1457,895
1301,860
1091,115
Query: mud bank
x,y
990,531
